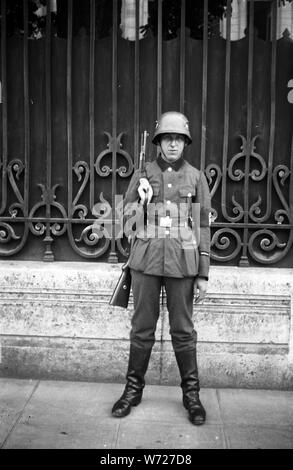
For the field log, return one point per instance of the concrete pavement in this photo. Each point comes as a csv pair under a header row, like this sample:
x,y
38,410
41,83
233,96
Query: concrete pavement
x,y
74,415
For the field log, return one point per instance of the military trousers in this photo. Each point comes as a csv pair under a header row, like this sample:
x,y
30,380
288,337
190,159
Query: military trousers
x,y
146,297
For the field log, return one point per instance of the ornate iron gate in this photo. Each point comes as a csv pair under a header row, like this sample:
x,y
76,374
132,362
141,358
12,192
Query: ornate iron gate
x,y
73,109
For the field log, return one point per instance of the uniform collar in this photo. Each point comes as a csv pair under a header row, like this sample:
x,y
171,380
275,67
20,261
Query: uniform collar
x,y
164,165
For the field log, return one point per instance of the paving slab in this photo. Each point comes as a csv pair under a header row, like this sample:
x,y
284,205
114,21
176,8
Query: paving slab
x,y
14,395
256,407
138,435
259,437
60,398
69,434
65,415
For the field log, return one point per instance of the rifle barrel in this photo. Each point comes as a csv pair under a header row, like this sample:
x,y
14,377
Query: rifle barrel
x,y
144,136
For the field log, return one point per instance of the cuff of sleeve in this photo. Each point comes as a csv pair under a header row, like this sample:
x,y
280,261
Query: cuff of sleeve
x,y
203,277
204,265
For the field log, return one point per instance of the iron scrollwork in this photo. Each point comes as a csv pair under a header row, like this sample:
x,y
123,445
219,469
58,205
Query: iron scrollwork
x,y
95,236
39,224
90,230
269,233
105,170
11,232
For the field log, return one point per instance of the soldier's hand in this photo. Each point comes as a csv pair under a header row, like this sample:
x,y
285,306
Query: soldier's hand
x,y
145,191
200,289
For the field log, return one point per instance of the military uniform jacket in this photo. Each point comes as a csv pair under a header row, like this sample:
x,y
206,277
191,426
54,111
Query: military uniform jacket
x,y
172,238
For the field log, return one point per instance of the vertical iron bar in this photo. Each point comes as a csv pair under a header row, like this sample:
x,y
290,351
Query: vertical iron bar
x,y
69,106
226,108
273,112
291,195
48,256
159,59
48,103
244,260
291,187
113,258
92,100
182,56
26,108
204,87
4,107
136,86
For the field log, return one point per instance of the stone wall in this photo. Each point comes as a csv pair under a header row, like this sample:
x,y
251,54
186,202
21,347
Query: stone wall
x,y
56,323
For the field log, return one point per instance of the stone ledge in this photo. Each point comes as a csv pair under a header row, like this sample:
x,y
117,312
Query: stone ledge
x,y
225,365
56,323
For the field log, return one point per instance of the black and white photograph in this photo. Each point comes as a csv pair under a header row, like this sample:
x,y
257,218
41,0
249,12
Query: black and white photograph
x,y
146,228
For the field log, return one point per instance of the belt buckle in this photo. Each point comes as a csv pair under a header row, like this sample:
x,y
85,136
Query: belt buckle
x,y
165,222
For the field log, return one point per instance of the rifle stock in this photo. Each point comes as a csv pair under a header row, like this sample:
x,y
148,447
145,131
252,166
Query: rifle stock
x,y
120,296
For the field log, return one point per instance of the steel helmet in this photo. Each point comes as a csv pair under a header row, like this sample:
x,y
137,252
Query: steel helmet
x,y
172,122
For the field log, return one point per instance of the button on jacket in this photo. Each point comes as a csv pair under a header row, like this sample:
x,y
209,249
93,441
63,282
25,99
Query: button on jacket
x,y
174,238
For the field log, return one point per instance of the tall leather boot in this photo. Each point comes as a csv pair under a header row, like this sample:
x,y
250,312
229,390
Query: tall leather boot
x,y
187,364
137,367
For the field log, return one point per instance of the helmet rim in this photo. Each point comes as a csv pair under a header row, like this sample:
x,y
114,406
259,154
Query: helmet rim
x,y
172,122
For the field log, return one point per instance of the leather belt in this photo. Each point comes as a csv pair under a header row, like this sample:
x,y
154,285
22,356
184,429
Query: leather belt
x,y
167,222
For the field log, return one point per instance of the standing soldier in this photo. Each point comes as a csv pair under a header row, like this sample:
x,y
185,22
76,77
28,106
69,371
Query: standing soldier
x,y
171,248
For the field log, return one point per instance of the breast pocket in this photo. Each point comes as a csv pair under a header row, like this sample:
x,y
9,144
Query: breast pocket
x,y
156,193
186,198
188,193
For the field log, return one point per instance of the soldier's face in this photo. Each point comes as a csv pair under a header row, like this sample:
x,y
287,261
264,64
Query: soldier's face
x,y
172,146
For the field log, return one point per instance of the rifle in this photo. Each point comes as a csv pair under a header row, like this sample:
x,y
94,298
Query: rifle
x,y
141,166
120,296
